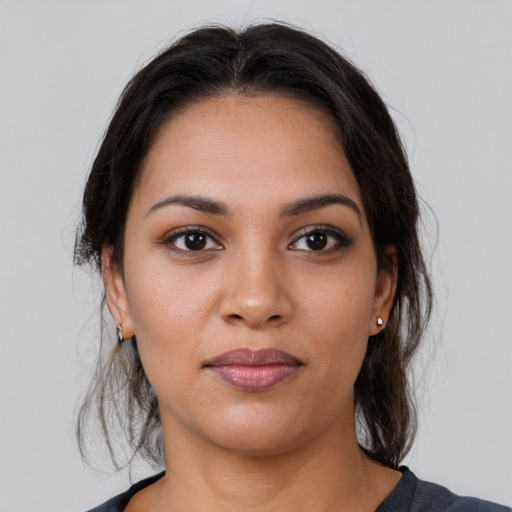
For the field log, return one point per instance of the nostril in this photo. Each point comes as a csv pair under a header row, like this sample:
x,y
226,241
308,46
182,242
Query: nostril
x,y
235,316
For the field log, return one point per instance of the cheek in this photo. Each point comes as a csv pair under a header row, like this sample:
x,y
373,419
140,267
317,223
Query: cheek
x,y
340,300
338,320
167,311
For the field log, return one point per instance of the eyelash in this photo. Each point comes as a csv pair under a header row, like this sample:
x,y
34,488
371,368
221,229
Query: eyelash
x,y
168,241
342,240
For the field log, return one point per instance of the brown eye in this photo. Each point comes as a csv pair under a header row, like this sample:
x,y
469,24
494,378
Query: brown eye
x,y
195,241
316,241
322,240
191,240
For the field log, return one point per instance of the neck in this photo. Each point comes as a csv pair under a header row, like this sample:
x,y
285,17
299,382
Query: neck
x,y
327,473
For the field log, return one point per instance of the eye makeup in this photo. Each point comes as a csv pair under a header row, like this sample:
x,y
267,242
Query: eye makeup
x,y
316,239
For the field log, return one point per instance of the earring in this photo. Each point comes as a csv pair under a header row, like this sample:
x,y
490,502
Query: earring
x,y
119,333
380,322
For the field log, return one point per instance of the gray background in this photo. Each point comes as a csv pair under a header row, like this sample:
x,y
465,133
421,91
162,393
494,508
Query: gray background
x,y
445,67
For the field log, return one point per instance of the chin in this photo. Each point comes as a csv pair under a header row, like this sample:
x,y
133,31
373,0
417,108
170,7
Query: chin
x,y
257,446
260,434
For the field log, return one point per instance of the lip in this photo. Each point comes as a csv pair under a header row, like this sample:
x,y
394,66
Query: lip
x,y
254,370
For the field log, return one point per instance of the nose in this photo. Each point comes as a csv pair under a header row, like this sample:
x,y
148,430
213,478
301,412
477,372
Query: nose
x,y
256,293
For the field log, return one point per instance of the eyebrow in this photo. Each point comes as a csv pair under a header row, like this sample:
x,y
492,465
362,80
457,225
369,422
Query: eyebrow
x,y
307,204
203,204
297,207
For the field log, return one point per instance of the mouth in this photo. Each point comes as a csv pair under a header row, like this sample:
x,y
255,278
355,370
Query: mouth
x,y
254,370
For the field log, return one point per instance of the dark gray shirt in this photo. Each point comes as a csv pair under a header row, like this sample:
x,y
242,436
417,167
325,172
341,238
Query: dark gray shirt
x,y
409,495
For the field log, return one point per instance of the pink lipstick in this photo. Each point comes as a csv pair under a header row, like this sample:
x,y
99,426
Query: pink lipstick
x,y
254,370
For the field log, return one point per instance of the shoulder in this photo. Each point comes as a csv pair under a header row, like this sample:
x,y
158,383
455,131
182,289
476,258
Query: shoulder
x,y
434,497
414,495
114,504
118,503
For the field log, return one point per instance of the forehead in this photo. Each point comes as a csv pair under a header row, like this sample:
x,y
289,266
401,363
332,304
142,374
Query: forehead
x,y
270,148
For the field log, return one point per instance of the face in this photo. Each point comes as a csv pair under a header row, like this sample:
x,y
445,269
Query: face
x,y
249,275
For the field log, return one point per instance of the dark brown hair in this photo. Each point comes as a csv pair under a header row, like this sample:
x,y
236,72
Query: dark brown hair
x,y
261,59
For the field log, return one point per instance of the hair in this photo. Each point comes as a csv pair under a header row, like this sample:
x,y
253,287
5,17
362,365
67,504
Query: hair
x,y
269,58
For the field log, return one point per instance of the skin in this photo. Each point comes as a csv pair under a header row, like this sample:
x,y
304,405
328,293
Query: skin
x,y
257,283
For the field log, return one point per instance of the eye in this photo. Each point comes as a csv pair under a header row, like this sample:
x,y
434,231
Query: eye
x,y
191,240
322,240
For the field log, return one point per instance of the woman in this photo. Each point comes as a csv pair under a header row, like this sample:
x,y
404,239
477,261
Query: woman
x,y
254,220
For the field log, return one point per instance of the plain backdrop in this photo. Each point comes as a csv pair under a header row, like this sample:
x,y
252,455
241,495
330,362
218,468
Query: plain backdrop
x,y
445,67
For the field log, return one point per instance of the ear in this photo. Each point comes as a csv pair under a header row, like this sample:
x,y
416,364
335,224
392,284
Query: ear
x,y
116,293
385,288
